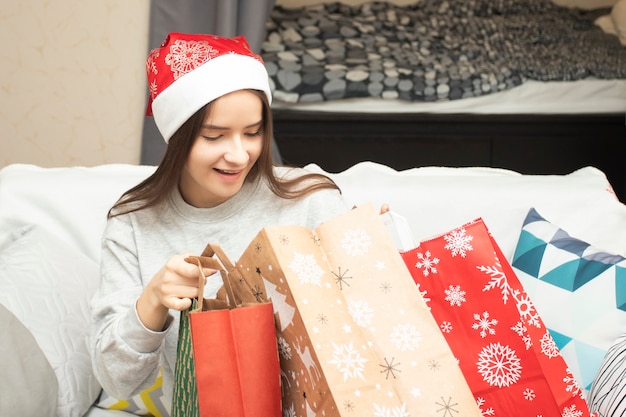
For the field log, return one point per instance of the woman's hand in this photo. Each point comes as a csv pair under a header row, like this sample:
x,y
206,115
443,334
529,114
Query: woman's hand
x,y
172,287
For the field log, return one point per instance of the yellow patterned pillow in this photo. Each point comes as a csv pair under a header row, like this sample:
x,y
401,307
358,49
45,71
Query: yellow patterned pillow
x,y
149,402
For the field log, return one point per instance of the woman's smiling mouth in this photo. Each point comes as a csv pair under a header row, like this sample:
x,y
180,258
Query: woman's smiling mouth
x,y
225,172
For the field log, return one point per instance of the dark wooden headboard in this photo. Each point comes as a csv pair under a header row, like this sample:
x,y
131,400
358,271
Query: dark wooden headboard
x,y
530,144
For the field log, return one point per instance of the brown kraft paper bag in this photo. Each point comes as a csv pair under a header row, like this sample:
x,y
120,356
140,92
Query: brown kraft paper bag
x,y
355,336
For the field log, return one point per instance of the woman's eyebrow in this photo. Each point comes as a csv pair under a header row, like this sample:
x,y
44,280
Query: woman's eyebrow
x,y
215,127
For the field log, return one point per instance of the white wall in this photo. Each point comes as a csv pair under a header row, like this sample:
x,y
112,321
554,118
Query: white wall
x,y
72,81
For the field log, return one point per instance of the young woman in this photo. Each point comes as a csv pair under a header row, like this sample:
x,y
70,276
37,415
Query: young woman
x,y
210,99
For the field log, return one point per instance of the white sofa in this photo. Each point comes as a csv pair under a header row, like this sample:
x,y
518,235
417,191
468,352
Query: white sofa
x,y
51,220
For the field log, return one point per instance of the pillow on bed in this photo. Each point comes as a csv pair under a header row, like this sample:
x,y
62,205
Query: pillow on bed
x,y
28,384
615,22
618,16
47,285
578,289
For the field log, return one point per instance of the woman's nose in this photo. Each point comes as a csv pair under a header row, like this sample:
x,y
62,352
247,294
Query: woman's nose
x,y
237,152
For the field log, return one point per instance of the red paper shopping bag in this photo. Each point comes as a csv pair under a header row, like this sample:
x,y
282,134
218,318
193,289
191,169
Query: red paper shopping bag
x,y
506,354
227,361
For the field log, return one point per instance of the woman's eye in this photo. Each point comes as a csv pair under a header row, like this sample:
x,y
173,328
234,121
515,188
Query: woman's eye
x,y
255,133
211,138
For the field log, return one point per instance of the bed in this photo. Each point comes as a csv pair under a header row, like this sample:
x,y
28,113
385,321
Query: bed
x,y
520,84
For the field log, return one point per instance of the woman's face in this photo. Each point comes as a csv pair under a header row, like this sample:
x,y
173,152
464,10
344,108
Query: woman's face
x,y
227,147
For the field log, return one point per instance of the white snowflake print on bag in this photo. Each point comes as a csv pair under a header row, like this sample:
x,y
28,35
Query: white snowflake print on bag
x,y
499,280
455,295
458,242
391,412
499,365
348,361
405,337
361,312
307,269
356,242
428,264
484,324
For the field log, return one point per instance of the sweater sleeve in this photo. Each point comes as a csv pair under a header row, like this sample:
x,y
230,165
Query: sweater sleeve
x,y
125,353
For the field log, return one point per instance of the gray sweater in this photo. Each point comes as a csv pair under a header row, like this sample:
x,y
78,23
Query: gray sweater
x,y
126,355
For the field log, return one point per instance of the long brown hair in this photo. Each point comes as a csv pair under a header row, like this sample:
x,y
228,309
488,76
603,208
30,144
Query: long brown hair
x,y
157,187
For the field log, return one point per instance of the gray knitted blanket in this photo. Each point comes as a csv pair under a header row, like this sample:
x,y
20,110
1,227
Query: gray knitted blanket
x,y
432,50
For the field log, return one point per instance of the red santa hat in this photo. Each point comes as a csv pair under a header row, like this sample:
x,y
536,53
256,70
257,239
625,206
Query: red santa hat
x,y
190,70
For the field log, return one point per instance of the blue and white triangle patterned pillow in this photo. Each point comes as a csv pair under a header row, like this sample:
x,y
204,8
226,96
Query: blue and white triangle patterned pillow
x,y
579,291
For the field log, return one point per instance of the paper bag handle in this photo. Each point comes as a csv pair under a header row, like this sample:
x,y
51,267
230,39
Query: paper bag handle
x,y
204,262
234,275
224,265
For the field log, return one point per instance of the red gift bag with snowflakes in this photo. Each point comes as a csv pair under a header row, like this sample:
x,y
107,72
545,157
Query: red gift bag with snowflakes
x,y
505,352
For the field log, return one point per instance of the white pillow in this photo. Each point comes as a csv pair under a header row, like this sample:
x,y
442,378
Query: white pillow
x,y
28,384
72,202
438,199
7,239
47,285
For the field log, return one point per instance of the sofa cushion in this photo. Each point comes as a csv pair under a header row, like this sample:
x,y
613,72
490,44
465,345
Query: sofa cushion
x,y
70,202
579,290
76,212
437,199
149,402
28,385
47,285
